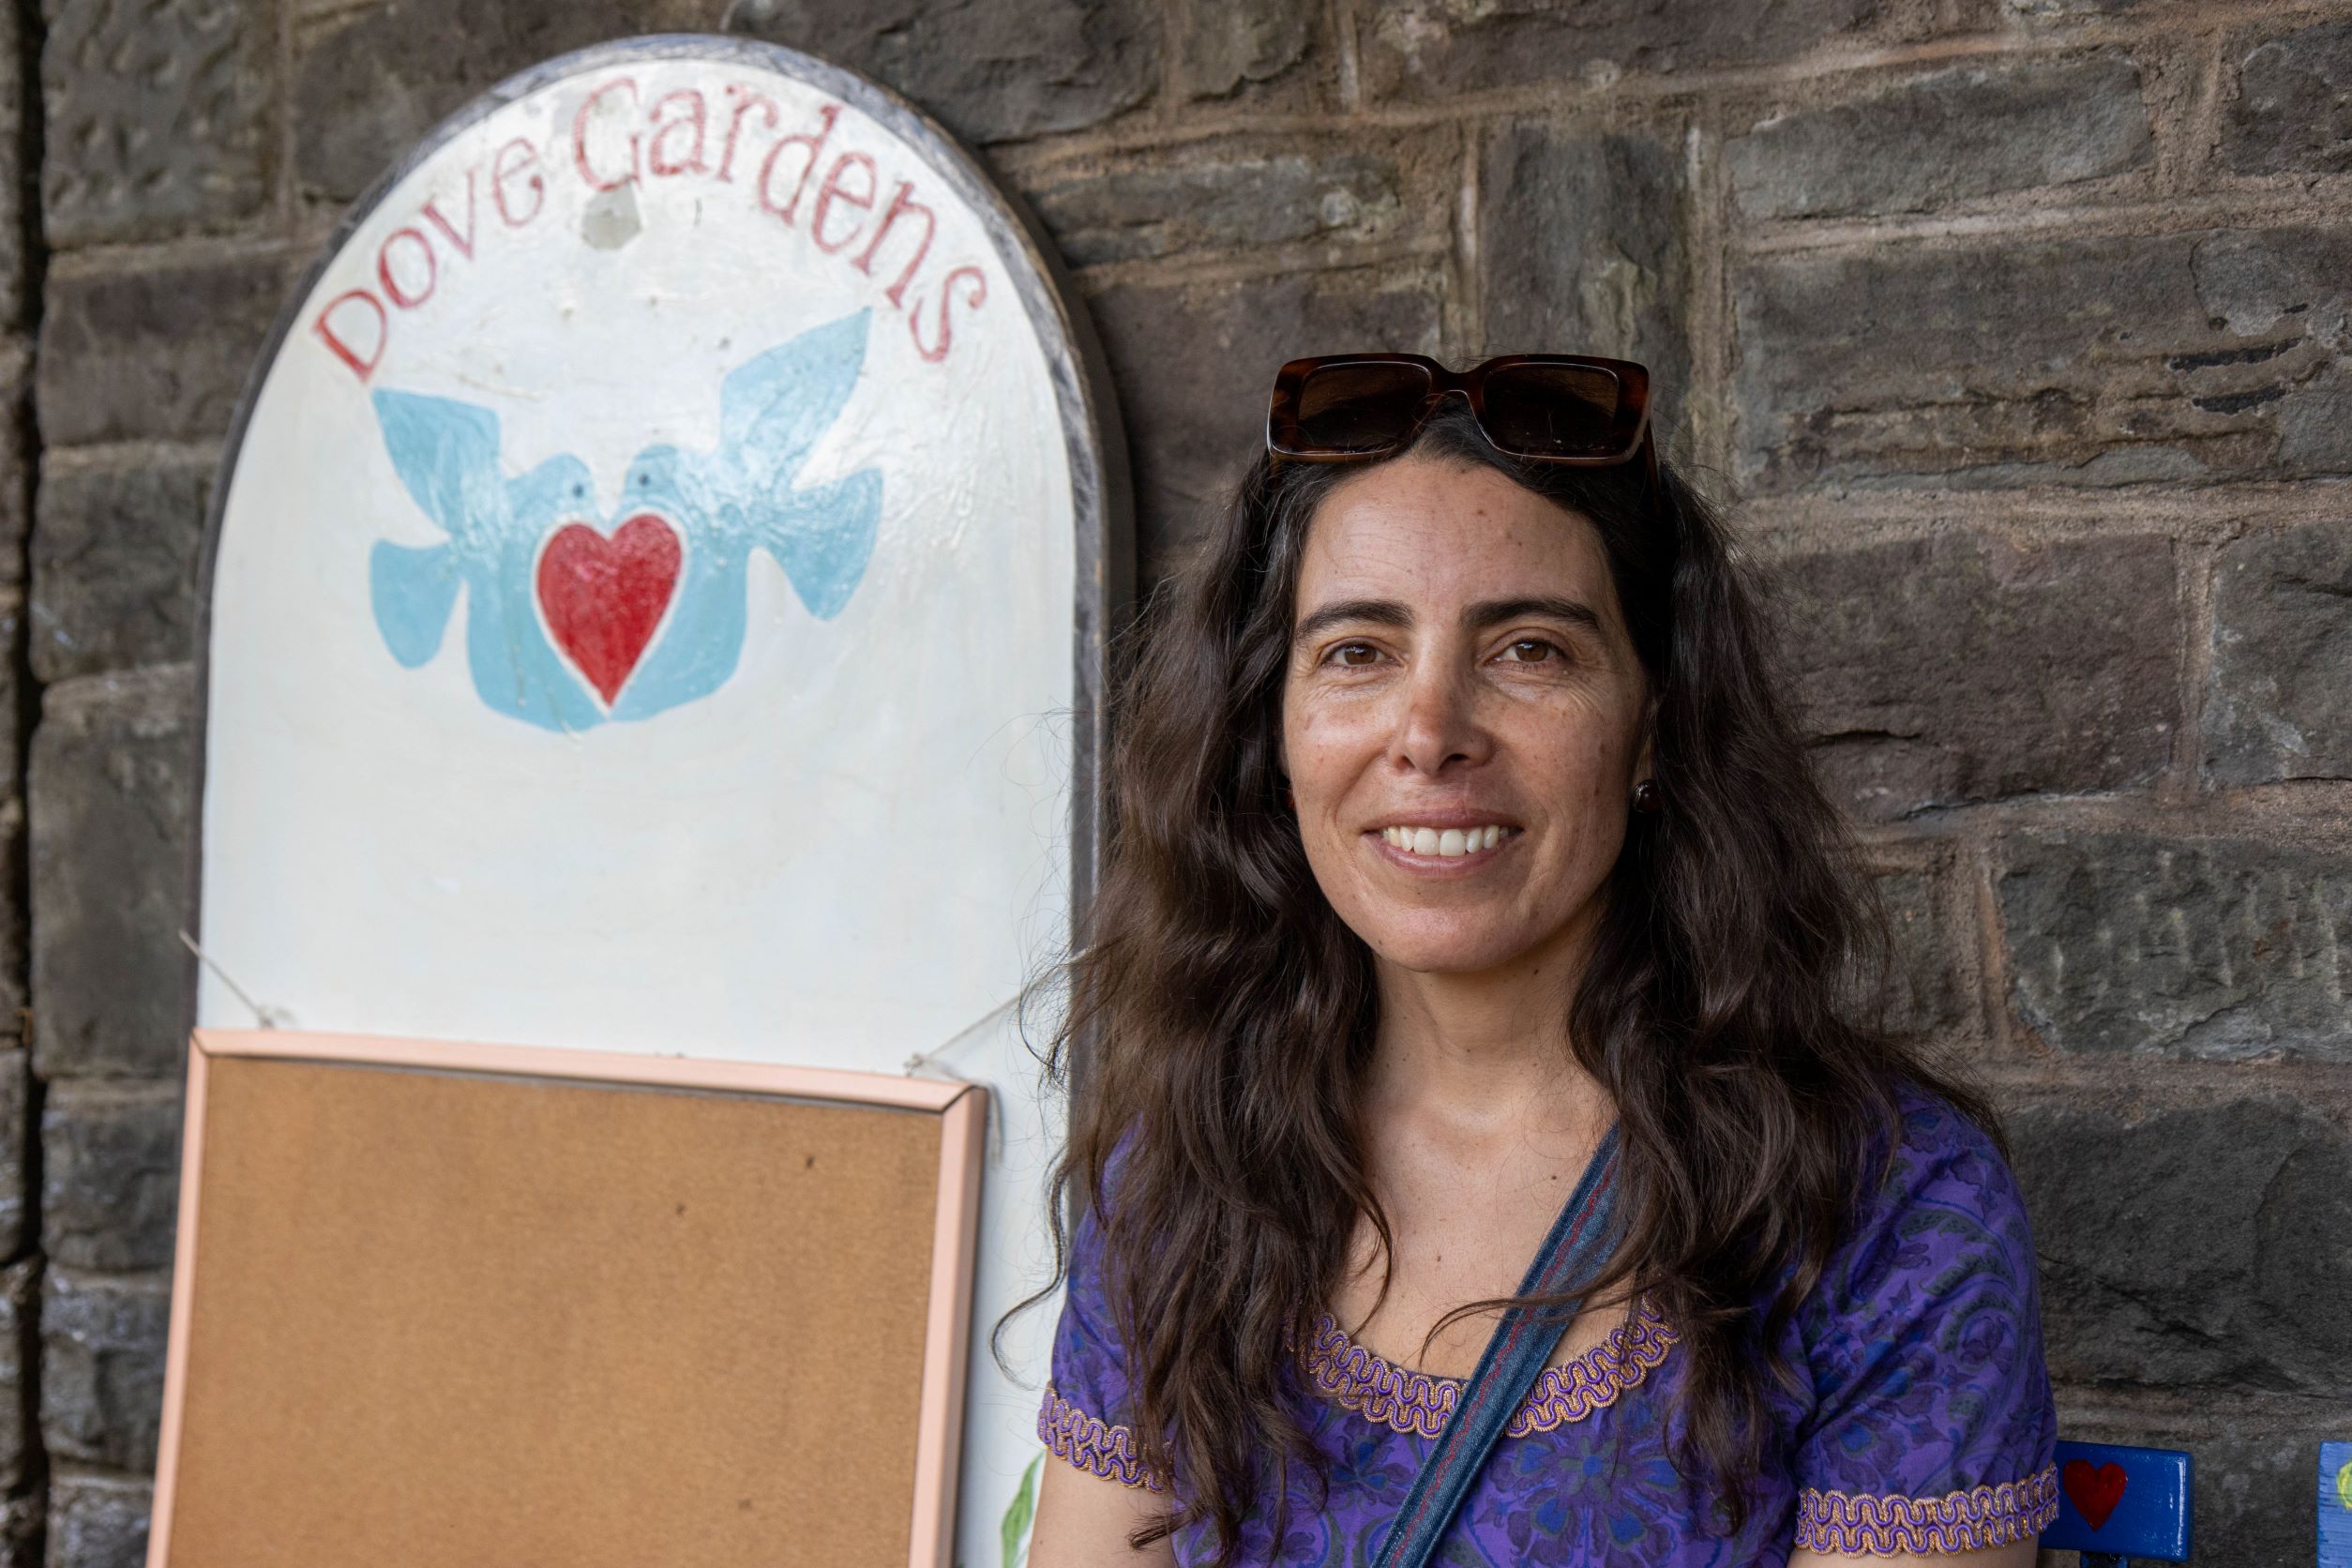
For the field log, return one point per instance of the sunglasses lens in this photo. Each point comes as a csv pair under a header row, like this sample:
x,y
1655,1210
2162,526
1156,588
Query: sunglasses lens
x,y
1360,408
1555,410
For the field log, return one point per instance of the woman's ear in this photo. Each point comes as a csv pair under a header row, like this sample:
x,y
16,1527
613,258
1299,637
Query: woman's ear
x,y
1646,752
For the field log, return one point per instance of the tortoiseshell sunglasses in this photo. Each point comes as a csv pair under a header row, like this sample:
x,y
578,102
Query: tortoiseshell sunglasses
x,y
1564,408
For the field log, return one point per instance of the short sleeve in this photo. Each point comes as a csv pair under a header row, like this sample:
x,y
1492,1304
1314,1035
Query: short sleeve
x,y
1932,1427
1085,1416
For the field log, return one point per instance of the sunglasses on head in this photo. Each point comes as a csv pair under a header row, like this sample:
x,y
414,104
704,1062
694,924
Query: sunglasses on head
x,y
1561,408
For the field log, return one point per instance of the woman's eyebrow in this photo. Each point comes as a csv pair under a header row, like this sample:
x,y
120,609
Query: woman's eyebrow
x,y
1493,613
1378,612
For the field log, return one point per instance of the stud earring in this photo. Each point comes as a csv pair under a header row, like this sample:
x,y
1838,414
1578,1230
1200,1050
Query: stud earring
x,y
1648,797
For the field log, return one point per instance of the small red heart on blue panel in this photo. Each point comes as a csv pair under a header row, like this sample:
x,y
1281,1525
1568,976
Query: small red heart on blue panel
x,y
2094,1491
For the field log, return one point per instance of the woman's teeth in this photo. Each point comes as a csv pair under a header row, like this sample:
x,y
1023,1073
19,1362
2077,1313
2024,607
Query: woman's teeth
x,y
1447,843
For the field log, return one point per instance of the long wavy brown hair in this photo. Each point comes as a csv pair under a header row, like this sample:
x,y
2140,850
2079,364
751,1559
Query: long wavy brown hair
x,y
1219,1017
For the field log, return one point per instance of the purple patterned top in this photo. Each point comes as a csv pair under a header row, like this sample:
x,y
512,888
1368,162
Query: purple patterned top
x,y
1926,1426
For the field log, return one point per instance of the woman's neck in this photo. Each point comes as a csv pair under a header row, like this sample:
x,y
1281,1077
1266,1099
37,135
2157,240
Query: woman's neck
x,y
1485,1052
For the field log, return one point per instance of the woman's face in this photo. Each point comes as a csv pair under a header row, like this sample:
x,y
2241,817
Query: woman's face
x,y
1463,716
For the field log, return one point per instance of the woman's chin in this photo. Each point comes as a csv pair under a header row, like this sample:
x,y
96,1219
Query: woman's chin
x,y
1475,951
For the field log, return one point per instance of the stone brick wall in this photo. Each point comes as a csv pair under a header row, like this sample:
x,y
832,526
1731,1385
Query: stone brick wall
x,y
2019,327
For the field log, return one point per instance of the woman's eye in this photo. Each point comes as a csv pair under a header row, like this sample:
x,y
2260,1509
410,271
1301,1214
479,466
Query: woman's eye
x,y
1354,656
1530,650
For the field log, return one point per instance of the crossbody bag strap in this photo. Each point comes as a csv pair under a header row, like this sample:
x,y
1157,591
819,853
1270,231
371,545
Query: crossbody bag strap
x,y
1580,1243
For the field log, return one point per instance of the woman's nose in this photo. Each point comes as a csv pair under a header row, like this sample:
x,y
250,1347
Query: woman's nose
x,y
1438,724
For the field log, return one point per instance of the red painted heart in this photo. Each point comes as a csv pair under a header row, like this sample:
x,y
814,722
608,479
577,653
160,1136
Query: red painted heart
x,y
604,598
2094,1492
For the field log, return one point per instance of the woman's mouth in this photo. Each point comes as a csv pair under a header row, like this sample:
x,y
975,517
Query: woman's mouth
x,y
1447,843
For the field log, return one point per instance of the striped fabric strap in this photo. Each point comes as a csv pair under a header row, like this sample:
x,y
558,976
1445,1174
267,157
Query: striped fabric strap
x,y
1578,1246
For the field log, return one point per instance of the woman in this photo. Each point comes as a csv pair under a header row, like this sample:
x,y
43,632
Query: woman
x,y
1467,862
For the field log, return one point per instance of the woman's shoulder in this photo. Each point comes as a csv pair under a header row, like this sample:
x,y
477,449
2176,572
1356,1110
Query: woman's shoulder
x,y
1941,1149
1922,1339
1944,1155
1105,1213
1943,1215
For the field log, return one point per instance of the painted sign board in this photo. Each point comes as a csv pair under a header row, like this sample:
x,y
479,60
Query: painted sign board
x,y
655,603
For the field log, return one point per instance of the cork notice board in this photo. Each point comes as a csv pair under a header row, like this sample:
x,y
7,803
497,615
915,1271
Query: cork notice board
x,y
470,1305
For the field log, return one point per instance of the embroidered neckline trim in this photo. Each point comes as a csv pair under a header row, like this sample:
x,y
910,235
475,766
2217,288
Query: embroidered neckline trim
x,y
1411,1402
1861,1525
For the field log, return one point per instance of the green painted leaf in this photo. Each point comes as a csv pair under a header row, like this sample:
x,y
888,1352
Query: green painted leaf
x,y
1017,1516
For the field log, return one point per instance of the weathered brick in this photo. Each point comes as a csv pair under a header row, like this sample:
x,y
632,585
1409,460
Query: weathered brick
x,y
1225,46
2063,10
15,1139
153,353
13,918
1583,238
114,568
2280,706
21,1530
1435,48
11,696
2121,944
158,117
1990,127
111,782
1924,990
15,396
2074,361
97,1521
18,1286
1229,194
1194,365
367,84
1922,668
2292,112
102,1345
13,861
2192,1249
12,97
110,1175
991,73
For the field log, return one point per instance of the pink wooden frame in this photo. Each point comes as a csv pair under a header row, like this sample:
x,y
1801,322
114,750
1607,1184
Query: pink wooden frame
x,y
962,1108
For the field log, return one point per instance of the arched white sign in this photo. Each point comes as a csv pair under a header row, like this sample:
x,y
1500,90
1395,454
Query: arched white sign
x,y
655,603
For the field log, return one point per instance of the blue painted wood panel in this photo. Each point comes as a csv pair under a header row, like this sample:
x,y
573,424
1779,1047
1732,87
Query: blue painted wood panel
x,y
2335,1505
2123,1501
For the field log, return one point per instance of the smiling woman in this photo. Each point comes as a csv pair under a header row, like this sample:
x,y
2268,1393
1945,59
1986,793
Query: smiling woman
x,y
1471,904
1398,660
